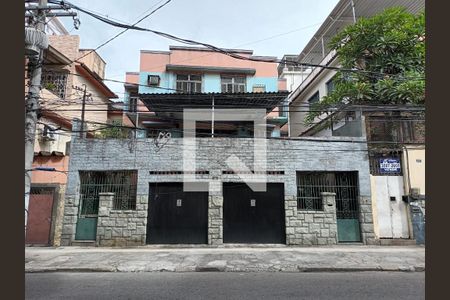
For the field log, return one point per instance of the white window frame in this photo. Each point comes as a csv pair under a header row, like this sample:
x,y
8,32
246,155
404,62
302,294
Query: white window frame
x,y
236,87
186,85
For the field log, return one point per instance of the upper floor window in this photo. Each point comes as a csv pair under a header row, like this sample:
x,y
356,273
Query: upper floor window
x,y
55,82
189,83
314,98
132,107
233,84
330,86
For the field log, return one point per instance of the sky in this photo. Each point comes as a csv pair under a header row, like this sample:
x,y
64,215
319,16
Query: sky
x,y
245,24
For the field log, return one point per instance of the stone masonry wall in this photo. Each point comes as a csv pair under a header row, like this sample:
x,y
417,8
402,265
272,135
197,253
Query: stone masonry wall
x,y
215,212
121,227
306,227
289,156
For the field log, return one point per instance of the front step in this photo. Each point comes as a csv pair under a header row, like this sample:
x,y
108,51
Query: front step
x,y
397,242
82,243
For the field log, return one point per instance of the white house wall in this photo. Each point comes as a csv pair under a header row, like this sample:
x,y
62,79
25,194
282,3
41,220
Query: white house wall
x,y
298,107
390,217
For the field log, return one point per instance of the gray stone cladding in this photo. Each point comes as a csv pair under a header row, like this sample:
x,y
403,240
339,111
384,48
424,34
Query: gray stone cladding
x,y
121,227
287,155
308,227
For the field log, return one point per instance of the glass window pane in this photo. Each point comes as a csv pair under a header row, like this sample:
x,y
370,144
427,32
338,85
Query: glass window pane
x,y
182,77
226,79
196,78
239,79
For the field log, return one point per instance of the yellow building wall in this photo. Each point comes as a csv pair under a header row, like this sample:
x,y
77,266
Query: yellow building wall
x,y
414,174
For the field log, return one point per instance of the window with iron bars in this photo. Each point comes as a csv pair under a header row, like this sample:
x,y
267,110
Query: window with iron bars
x,y
189,83
122,183
310,186
398,129
233,84
55,81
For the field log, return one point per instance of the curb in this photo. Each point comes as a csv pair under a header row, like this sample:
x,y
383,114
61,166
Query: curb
x,y
224,269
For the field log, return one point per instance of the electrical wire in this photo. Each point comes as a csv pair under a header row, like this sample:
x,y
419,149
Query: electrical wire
x,y
125,30
209,46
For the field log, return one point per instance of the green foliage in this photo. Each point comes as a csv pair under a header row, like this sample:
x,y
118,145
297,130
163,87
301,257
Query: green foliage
x,y
115,131
50,86
387,52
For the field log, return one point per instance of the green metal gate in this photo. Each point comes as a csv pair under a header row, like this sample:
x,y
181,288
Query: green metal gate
x,y
345,184
347,208
122,183
88,213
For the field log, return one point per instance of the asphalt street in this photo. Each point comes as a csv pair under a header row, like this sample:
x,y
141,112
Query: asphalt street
x,y
226,285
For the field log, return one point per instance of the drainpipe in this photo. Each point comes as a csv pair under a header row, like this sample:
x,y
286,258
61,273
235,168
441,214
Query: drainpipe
x,y
407,166
212,118
408,211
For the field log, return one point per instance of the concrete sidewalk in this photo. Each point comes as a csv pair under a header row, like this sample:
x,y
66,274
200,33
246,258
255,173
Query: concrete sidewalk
x,y
236,259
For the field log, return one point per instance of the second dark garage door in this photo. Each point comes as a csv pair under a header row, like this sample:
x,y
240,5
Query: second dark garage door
x,y
176,217
253,217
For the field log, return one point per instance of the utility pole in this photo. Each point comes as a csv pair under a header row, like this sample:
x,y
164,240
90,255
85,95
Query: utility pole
x,y
37,41
32,107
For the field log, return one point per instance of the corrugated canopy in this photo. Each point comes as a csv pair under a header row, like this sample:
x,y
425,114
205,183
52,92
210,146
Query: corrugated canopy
x,y
176,102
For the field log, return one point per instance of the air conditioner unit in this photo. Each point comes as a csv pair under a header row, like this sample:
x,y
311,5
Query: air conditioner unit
x,y
48,134
153,80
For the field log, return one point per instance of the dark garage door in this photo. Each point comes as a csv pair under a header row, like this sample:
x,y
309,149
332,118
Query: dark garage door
x,y
176,217
253,217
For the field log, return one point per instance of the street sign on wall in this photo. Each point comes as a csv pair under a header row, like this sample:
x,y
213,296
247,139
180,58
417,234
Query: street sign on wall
x,y
390,165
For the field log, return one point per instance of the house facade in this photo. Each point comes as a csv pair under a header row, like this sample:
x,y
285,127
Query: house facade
x,y
199,71
131,191
402,144
62,85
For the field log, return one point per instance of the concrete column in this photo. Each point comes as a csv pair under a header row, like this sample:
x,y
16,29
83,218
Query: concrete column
x,y
105,205
329,207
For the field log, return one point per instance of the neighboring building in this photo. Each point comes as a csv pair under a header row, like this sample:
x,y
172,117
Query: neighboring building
x,y
201,71
392,217
319,81
129,191
62,84
294,75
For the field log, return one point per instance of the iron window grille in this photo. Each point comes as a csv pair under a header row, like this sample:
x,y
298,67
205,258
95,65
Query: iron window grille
x,y
396,129
233,84
189,83
56,82
310,186
122,183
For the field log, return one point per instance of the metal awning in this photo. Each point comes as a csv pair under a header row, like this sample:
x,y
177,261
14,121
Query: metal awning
x,y
176,102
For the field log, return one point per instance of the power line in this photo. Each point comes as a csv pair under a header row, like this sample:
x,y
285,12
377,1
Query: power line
x,y
209,46
125,30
